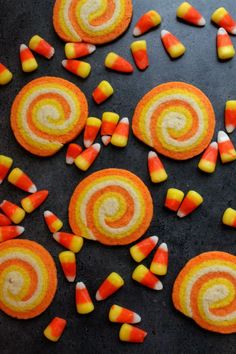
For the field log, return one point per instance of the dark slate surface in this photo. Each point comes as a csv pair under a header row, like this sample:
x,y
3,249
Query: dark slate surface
x,y
168,331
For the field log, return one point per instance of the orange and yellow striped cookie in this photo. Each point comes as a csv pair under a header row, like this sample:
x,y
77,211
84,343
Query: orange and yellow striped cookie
x,y
28,278
205,290
176,119
91,21
47,113
112,206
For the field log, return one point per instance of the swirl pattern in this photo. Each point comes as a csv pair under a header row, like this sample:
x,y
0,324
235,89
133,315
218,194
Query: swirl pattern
x,y
91,21
112,206
28,278
205,290
176,119
47,113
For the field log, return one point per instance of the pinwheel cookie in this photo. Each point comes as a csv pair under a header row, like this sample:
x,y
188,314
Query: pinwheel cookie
x,y
176,119
91,21
112,206
47,113
205,290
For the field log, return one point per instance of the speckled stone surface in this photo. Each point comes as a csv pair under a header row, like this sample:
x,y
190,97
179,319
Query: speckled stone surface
x,y
168,331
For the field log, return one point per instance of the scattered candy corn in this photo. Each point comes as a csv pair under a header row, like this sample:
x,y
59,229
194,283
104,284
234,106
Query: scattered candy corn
x,y
121,134
174,198
84,303
160,260
223,19
28,61
109,123
230,116
143,275
115,62
78,50
140,55
226,148
110,285
87,157
209,158
225,48
148,21
102,92
55,329
91,130
5,75
229,217
189,14
72,242
21,180
4,220
73,151
77,67
40,46
33,201
5,165
13,212
53,222
9,232
156,169
119,314
129,333
191,202
172,44
142,249
68,264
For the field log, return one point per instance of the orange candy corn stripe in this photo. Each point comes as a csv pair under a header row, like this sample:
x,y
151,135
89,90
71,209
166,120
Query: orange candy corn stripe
x,y
109,123
209,158
83,300
5,165
77,67
110,285
42,47
191,202
190,14
72,242
73,151
87,157
14,213
9,232
156,169
230,116
68,264
28,61
115,62
172,44
53,222
159,263
102,92
129,333
225,48
148,21
174,198
142,275
226,148
33,201
92,128
78,50
142,249
4,220
140,55
55,329
119,314
121,134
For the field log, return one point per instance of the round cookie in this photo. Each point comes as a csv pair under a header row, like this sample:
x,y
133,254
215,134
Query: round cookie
x,y
91,21
28,278
176,119
112,206
47,113
205,290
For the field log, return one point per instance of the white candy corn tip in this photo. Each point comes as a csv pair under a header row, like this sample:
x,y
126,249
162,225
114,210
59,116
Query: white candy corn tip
x,y
222,136
32,189
158,286
202,22
180,214
154,239
151,154
56,236
214,145
70,279
64,63
136,319
47,213
106,139
98,296
3,202
20,230
51,53
221,31
87,143
124,120
1,180
23,47
91,48
163,247
80,285
136,32
97,147
230,128
163,33
69,160
233,30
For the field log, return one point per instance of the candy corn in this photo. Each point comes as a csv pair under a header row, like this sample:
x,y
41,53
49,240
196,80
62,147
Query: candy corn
x,y
77,67
140,55
121,134
229,217
5,165
120,314
53,222
226,148
78,50
33,201
115,62
230,116
129,333
84,303
189,14
142,249
148,21
172,44
21,180
156,169
91,130
14,213
174,198
225,48
190,203
223,19
73,151
28,61
40,46
110,285
160,260
72,242
55,329
143,275
4,220
87,157
109,123
102,92
68,263
9,232
5,75
209,158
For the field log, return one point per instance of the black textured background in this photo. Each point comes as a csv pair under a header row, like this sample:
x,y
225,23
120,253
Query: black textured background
x,y
168,330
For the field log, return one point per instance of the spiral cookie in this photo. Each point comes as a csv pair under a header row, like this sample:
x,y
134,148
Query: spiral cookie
x,y
205,290
28,278
112,206
176,119
91,21
47,113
